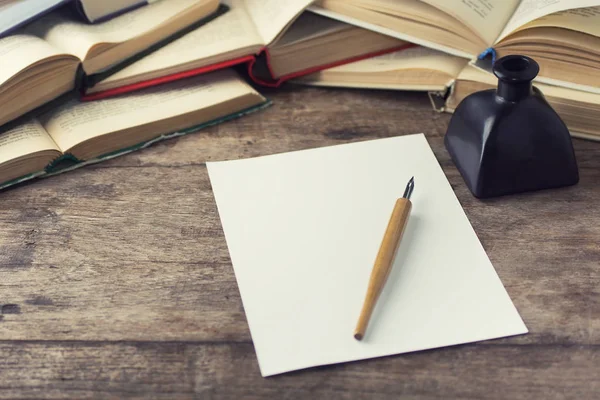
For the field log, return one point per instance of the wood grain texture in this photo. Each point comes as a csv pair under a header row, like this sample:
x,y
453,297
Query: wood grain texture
x,y
115,280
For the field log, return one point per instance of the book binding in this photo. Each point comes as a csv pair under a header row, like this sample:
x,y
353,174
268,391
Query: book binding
x,y
68,162
78,5
164,79
258,69
262,63
91,80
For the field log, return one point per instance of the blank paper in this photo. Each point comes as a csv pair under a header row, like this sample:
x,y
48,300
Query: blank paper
x,y
303,229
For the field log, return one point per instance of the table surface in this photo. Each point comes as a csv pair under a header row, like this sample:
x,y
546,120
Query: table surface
x,y
116,282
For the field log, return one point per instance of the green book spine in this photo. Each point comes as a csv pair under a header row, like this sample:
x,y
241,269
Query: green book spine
x,y
67,162
87,81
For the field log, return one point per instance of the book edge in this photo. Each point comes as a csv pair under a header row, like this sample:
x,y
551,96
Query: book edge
x,y
47,172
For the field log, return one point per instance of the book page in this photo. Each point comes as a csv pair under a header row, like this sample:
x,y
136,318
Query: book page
x,y
64,29
409,20
231,31
76,122
310,26
17,52
95,9
586,20
412,58
486,17
24,139
530,10
272,16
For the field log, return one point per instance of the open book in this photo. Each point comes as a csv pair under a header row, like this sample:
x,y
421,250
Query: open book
x,y
77,134
448,80
17,13
275,37
42,61
414,68
563,36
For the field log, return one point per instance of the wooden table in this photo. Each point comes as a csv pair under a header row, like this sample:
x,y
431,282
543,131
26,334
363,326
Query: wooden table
x,y
115,280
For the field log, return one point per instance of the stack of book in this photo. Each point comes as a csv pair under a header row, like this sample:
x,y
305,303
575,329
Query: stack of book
x,y
86,80
460,39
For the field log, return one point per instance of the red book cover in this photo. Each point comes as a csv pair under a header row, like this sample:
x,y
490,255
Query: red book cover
x,y
165,79
250,60
276,82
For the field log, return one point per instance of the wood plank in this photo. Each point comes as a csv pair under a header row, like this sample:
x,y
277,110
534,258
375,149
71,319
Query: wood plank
x,y
229,371
120,267
115,280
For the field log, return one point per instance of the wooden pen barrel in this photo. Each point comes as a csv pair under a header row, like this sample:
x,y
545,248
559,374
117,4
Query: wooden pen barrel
x,y
383,262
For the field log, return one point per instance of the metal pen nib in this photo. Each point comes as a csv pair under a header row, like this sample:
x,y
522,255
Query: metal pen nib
x,y
409,188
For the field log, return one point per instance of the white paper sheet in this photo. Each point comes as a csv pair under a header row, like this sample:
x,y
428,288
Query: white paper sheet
x,y
303,229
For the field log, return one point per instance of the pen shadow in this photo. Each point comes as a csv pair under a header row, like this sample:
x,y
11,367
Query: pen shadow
x,y
405,246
